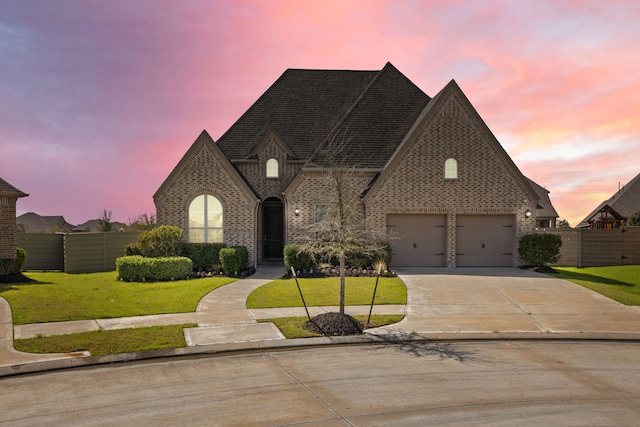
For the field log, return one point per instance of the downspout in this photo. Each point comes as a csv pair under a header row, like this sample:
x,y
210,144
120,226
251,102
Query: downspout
x,y
255,234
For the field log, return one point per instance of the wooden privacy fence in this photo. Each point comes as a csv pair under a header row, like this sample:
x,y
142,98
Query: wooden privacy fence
x,y
76,252
592,248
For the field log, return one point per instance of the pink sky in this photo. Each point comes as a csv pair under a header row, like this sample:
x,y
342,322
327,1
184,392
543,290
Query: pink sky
x,y
99,100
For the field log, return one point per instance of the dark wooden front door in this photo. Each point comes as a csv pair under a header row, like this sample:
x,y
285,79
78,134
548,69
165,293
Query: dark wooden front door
x,y
273,222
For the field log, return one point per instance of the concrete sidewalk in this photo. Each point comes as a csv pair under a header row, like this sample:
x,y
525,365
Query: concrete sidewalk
x,y
489,303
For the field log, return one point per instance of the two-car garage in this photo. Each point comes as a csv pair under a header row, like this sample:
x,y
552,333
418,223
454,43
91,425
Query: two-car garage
x,y
480,240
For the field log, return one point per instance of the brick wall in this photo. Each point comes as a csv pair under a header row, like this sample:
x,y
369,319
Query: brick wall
x,y
486,184
203,171
7,227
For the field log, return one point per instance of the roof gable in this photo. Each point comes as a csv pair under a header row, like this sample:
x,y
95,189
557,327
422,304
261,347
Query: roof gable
x,y
435,112
204,142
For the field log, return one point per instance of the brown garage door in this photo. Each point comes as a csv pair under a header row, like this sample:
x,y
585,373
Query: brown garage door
x,y
418,240
484,241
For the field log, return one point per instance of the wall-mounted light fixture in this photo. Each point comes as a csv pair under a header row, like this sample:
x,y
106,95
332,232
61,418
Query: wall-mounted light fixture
x,y
527,213
296,212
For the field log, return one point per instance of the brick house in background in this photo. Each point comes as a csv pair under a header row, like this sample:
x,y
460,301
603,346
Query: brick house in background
x,y
9,196
432,173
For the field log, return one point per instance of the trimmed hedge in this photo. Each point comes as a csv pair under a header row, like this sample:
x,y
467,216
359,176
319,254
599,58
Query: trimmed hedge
x,y
294,257
234,259
13,265
163,241
204,255
137,268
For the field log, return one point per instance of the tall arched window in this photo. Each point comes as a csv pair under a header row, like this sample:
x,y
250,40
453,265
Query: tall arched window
x,y
450,169
272,168
205,220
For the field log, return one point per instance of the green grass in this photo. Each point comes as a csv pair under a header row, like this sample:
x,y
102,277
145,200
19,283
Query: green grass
x,y
292,327
59,296
108,342
326,291
620,283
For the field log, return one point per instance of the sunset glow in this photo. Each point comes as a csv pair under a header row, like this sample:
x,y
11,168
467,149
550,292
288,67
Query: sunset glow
x,y
99,100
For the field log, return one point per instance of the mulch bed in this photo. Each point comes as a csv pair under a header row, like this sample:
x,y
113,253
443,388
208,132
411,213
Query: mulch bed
x,y
334,324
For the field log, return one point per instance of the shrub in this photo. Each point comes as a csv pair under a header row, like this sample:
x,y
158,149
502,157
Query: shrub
x,y
204,255
539,249
13,265
163,241
234,259
362,260
294,257
137,268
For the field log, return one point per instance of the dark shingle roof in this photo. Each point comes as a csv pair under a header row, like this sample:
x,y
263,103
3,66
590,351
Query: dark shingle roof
x,y
371,110
6,188
545,208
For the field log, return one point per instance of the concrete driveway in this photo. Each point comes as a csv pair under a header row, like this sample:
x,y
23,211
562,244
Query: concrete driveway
x,y
506,300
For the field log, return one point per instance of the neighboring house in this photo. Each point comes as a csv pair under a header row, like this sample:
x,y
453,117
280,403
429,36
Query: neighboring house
x,y
432,173
613,212
31,222
9,196
93,226
546,215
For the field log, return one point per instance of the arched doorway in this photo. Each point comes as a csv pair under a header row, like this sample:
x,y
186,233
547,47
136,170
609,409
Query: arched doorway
x,y
273,225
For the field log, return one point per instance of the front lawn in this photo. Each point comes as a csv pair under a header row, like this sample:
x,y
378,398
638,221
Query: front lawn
x,y
56,296
326,291
620,283
99,343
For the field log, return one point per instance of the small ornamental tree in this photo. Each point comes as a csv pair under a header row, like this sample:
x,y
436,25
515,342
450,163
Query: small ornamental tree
x,y
104,223
539,249
343,229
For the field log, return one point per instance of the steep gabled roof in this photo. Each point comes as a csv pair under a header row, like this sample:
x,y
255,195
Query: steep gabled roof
x,y
371,110
625,202
7,189
545,208
427,114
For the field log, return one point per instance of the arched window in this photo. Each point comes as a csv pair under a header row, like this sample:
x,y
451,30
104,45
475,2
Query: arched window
x,y
272,168
450,169
205,220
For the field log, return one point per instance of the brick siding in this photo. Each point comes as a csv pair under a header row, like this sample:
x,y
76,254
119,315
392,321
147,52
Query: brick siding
x,y
7,227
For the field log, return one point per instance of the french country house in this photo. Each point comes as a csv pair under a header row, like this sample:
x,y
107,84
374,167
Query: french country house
x,y
9,196
432,175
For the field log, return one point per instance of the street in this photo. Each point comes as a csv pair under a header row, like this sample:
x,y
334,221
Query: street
x,y
558,383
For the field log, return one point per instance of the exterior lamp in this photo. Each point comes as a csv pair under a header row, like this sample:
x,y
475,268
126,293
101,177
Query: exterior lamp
x,y
527,214
296,212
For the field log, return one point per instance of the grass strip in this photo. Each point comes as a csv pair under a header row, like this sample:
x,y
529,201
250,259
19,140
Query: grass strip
x,y
56,296
102,342
326,291
292,327
620,283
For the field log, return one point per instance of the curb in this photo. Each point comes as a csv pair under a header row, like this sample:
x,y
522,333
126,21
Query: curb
x,y
79,360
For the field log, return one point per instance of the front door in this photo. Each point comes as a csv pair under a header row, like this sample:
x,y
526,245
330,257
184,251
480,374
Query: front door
x,y
273,228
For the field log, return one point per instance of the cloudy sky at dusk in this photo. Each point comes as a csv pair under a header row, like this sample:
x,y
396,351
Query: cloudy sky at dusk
x,y
99,100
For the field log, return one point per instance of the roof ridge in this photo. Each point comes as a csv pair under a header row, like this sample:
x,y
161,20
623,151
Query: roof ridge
x,y
333,132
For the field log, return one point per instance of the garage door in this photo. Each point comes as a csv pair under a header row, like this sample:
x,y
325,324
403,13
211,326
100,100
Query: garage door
x,y
418,240
484,241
